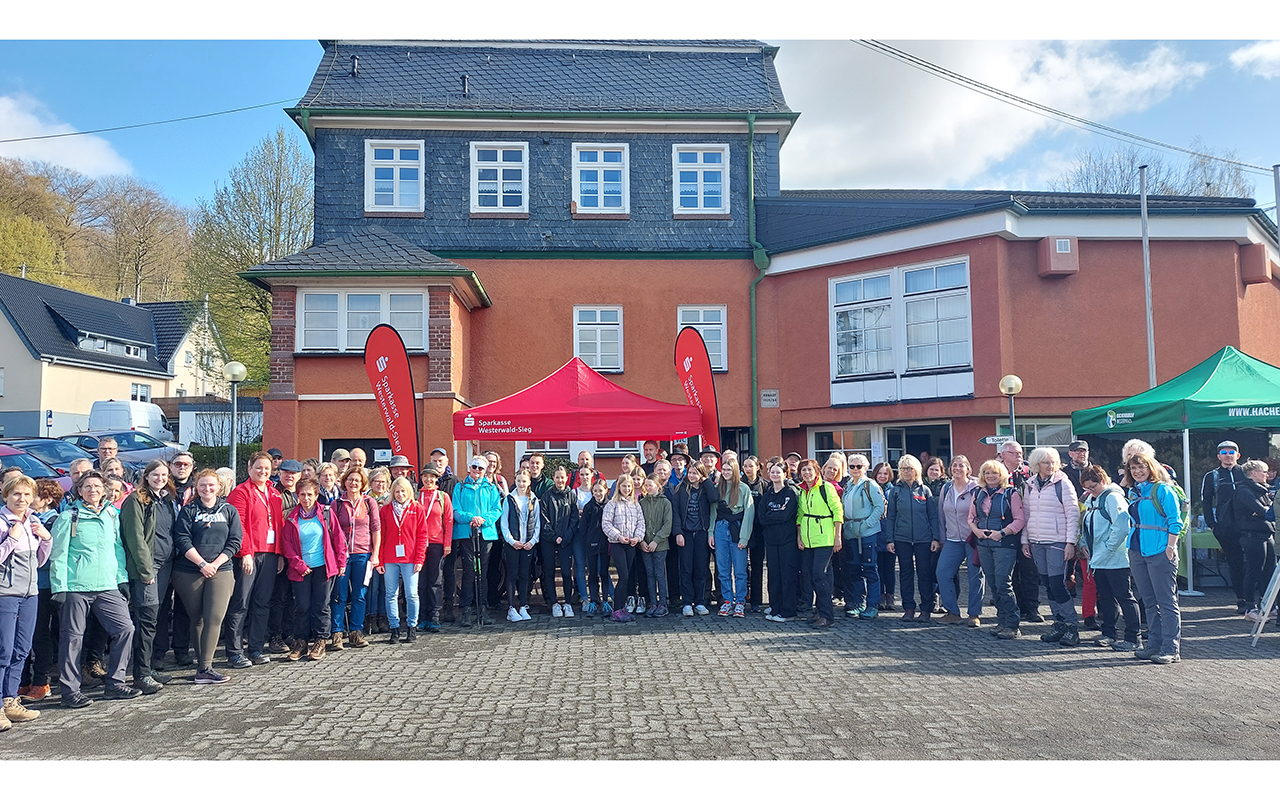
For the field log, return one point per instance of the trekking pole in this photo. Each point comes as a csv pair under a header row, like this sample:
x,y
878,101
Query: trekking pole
x,y
476,581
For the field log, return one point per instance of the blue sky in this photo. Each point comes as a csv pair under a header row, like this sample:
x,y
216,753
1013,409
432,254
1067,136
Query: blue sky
x,y
867,121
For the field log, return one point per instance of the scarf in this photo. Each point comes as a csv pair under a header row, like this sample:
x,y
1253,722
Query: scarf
x,y
398,509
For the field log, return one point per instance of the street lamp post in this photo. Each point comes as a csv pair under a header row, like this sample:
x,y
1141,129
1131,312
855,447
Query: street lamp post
x,y
234,372
1009,386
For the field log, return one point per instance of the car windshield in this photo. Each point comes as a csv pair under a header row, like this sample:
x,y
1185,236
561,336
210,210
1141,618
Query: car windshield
x,y
31,466
55,451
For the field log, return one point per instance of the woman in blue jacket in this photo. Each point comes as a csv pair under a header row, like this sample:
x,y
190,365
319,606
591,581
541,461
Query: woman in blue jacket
x,y
1104,537
1153,555
913,526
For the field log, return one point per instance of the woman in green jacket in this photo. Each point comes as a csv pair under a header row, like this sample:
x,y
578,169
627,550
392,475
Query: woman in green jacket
x,y
146,531
656,509
820,518
86,568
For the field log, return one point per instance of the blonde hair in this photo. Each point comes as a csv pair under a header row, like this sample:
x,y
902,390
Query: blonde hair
x,y
227,478
404,482
1135,446
913,463
1155,472
617,490
842,465
997,466
16,481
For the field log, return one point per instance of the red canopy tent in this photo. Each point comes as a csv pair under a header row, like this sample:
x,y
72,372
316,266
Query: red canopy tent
x,y
576,403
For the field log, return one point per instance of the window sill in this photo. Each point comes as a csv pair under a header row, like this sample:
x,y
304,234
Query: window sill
x,y
602,215
499,215
393,214
921,373
877,376
678,215
344,353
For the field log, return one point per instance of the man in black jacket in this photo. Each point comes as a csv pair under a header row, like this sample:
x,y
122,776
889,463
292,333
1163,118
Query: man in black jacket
x,y
1217,492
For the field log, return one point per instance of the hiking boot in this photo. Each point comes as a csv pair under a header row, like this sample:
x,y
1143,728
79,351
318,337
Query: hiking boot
x,y
433,626
1090,624
925,616
973,622
660,610
1124,647
147,685
410,635
317,650
395,636
1009,633
36,691
1070,636
1143,654
465,617
75,700
184,659
1032,616
258,658
295,651
277,645
357,639
336,643
1056,633
446,614
950,619
94,669
821,623
120,692
15,712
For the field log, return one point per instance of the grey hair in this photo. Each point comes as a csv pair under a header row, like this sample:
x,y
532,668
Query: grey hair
x,y
1042,454
1255,465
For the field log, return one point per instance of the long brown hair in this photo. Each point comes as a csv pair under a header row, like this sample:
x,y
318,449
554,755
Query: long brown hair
x,y
729,489
143,489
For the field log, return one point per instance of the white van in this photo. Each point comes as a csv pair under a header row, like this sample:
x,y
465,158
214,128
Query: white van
x,y
106,415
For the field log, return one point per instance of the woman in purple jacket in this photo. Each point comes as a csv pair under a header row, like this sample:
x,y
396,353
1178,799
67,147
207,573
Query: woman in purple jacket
x,y
24,548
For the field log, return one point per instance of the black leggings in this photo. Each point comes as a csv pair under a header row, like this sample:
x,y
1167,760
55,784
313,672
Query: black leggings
x,y
624,556
1259,563
518,563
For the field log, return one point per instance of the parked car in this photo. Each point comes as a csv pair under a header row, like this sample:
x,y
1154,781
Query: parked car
x,y
130,415
31,466
54,452
136,447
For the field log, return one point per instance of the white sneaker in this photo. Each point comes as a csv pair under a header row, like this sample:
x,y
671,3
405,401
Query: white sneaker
x,y
768,611
702,610
568,610
557,610
631,605
524,614
640,605
513,615
688,611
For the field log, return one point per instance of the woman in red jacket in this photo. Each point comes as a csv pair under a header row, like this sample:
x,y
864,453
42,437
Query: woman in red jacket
x,y
399,549
315,550
255,567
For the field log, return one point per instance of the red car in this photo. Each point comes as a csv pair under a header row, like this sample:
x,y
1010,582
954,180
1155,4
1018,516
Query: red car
x,y
31,466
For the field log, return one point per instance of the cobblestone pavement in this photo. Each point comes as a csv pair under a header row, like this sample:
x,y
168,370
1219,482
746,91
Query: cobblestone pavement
x,y
706,688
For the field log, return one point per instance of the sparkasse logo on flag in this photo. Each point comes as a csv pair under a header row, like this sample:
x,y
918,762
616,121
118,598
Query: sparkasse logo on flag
x,y
382,364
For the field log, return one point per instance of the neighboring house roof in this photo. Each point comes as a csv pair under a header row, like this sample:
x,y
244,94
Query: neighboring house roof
x,y
51,320
811,217
372,250
171,320
549,76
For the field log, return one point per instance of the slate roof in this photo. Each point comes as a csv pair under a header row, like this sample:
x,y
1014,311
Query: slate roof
x,y
372,249
171,321
801,218
550,76
49,319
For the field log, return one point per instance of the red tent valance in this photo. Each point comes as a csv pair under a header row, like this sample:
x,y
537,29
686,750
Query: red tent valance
x,y
576,403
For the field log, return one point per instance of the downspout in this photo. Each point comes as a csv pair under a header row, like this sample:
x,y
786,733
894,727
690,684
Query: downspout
x,y
761,259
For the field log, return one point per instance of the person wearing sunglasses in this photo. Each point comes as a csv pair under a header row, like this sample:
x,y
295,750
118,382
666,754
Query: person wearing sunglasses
x,y
477,505
1217,496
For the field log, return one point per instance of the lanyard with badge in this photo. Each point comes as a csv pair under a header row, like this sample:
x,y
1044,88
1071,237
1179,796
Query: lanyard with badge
x,y
271,528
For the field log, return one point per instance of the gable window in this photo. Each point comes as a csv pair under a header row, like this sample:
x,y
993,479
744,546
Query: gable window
x,y
393,176
700,179
499,177
601,182
710,322
864,335
341,321
140,391
597,336
134,351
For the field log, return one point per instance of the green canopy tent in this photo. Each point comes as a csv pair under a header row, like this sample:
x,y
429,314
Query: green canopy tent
x,y
1227,390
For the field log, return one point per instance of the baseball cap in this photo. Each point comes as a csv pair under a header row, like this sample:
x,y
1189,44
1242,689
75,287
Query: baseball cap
x,y
440,450
275,451
1228,444
340,455
1078,445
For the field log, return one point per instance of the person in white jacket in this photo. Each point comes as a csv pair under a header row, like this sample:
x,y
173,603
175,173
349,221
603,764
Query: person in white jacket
x,y
863,509
623,524
1053,524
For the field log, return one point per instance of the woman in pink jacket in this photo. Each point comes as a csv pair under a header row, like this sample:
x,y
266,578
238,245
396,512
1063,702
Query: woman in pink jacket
x,y
315,553
1053,525
623,524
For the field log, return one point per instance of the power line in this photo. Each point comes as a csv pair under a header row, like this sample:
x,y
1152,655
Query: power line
x,y
1039,108
148,124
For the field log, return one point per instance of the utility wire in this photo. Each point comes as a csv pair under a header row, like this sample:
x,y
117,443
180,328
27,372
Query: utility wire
x,y
148,124
1040,109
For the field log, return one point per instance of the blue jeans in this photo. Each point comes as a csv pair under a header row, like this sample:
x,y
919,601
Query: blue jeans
x,y
997,565
949,561
580,567
1157,580
401,575
350,584
861,573
731,563
17,625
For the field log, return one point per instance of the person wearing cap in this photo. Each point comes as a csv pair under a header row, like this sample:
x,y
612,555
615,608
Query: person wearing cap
x,y
1077,461
439,507
401,468
679,465
476,508
792,460
1217,494
276,457
341,458
710,457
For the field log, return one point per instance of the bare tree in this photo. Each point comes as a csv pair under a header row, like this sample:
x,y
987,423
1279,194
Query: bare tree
x,y
146,242
1116,172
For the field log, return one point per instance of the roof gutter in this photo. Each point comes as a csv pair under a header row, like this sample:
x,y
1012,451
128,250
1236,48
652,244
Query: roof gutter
x,y
299,111
761,260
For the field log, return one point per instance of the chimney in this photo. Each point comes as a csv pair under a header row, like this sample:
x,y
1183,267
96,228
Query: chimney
x,y
355,66
128,301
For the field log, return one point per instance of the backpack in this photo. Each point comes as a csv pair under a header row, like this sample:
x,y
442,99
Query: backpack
x,y
1184,505
1102,500
1223,511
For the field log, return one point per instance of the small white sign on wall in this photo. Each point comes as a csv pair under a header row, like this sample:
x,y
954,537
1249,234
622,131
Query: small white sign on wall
x,y
877,452
382,456
768,398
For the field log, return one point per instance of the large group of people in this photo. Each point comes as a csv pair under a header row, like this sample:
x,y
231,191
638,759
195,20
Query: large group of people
x,y
308,558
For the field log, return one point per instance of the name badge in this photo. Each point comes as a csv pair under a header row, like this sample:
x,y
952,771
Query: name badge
x,y
271,536
399,551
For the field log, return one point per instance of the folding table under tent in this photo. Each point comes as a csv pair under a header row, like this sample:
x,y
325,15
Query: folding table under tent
x,y
576,403
1227,390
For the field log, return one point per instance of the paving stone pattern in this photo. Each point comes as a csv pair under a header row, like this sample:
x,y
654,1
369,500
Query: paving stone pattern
x,y
706,687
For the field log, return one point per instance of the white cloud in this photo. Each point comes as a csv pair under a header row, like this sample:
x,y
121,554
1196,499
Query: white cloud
x,y
868,121
1260,58
22,115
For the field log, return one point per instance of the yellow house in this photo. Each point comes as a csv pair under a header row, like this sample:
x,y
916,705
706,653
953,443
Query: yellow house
x,y
61,350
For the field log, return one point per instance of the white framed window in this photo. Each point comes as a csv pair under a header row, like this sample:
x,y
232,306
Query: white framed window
x,y
140,391
180,393
393,176
700,178
188,358
710,322
617,448
597,336
848,441
133,351
341,321
908,319
548,449
500,177
601,178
